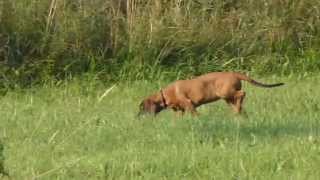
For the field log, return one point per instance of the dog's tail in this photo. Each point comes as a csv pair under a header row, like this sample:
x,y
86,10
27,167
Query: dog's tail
x,y
256,83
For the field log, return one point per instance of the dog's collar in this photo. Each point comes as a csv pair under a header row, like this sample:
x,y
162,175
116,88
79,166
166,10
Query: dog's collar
x,y
163,98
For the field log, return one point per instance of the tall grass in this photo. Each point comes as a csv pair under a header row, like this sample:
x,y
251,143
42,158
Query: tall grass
x,y
140,39
2,158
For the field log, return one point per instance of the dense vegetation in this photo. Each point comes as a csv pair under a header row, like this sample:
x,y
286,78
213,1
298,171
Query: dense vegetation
x,y
141,39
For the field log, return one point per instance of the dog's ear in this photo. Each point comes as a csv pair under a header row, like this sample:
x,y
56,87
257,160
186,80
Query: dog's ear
x,y
148,106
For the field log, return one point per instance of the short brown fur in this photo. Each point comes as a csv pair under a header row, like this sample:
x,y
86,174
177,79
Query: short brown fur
x,y
187,95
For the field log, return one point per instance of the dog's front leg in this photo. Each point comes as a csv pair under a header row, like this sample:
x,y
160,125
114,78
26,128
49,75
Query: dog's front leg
x,y
179,114
188,106
194,112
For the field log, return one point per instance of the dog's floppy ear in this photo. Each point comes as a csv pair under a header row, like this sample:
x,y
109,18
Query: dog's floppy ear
x,y
148,106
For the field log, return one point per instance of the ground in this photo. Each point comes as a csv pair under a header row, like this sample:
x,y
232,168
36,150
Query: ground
x,y
65,132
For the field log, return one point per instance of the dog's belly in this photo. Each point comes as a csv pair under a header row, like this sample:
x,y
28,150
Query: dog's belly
x,y
204,94
204,97
206,101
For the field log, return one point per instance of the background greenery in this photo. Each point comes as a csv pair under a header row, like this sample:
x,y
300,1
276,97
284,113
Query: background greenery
x,y
140,39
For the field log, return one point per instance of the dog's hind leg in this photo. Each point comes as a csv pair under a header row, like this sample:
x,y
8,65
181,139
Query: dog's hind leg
x,y
239,97
236,101
231,102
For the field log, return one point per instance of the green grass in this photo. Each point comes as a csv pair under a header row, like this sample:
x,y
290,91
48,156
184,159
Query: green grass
x,y
64,132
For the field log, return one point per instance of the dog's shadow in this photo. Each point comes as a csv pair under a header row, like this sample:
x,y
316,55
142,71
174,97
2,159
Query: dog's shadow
x,y
248,130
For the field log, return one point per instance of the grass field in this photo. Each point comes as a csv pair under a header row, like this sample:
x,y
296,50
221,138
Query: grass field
x,y
65,132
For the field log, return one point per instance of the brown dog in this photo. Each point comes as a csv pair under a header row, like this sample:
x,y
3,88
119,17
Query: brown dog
x,y
187,95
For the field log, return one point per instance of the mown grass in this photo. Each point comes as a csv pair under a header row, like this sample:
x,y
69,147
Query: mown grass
x,y
64,132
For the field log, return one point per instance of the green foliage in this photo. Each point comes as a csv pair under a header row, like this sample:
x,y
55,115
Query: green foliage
x,y
140,39
65,132
2,158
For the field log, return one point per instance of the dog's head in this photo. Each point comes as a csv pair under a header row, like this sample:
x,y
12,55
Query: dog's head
x,y
152,105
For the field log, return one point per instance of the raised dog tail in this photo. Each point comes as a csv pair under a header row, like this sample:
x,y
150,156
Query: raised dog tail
x,y
256,83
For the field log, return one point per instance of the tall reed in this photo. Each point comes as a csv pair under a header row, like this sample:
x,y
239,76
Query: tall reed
x,y
141,39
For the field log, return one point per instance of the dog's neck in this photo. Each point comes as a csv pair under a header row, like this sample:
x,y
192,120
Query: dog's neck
x,y
163,98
